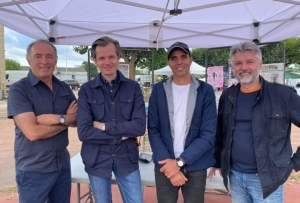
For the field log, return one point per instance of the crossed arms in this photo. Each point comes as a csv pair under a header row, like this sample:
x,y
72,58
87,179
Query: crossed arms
x,y
46,125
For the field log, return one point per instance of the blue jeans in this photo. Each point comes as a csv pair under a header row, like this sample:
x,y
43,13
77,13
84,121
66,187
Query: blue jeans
x,y
246,188
130,187
53,187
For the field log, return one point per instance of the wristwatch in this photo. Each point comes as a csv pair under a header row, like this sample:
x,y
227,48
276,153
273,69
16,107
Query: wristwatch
x,y
62,119
180,163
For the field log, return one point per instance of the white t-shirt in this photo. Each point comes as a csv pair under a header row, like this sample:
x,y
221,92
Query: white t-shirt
x,y
180,98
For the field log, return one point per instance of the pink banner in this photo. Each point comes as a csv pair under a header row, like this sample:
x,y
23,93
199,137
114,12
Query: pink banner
x,y
215,76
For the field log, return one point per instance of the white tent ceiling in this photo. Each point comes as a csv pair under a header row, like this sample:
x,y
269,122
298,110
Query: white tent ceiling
x,y
155,23
195,69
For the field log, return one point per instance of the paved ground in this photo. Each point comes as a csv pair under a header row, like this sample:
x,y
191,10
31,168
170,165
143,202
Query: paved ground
x,y
7,168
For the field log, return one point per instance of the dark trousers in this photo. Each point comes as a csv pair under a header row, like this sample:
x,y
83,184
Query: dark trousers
x,y
53,187
192,191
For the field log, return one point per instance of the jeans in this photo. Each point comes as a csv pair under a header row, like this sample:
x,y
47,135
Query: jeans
x,y
246,188
53,187
192,191
130,187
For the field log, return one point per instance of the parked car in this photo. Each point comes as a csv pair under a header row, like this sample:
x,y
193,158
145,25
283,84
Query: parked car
x,y
74,84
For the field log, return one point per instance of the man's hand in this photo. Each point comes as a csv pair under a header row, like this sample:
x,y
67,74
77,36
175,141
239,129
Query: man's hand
x,y
48,119
98,125
72,108
170,167
179,179
212,172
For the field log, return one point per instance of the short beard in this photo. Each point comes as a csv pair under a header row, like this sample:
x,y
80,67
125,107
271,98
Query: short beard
x,y
246,80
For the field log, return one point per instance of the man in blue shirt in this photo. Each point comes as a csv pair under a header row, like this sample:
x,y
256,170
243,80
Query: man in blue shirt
x,y
43,108
111,115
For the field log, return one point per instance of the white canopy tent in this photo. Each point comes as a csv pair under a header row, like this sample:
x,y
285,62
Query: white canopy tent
x,y
155,23
195,69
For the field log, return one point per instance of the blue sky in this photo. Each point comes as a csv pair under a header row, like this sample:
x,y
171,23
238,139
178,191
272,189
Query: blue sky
x,y
16,45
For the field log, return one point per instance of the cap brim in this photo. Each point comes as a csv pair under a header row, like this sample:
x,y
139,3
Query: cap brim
x,y
177,47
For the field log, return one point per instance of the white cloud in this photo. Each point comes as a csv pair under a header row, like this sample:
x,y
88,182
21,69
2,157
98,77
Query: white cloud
x,y
68,57
17,51
11,34
14,38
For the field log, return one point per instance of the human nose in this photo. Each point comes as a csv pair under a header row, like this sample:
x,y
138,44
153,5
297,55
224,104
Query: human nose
x,y
106,61
178,61
244,66
44,60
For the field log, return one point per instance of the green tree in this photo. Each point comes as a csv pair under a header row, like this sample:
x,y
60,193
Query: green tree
x,y
11,64
160,56
199,56
216,57
292,50
136,57
94,69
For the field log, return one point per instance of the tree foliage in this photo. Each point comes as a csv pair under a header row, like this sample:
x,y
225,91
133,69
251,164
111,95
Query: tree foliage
x,y
292,50
216,57
160,59
94,69
272,53
11,64
136,57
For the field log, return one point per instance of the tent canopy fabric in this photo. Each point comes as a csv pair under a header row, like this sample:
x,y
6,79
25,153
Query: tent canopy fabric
x,y
155,23
195,69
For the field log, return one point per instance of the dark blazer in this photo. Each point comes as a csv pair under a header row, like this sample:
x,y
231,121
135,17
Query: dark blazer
x,y
277,106
198,153
124,116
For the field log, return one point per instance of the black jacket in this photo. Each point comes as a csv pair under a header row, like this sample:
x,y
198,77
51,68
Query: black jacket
x,y
276,107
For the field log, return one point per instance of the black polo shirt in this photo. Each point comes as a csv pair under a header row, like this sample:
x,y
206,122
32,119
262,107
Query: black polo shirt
x,y
32,95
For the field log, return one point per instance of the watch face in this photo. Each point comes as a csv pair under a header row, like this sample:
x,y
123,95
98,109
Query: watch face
x,y
180,163
61,120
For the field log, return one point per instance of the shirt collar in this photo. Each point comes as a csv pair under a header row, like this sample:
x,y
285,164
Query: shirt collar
x,y
100,80
114,81
35,80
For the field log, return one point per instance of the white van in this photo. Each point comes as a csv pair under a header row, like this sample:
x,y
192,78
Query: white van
x,y
13,76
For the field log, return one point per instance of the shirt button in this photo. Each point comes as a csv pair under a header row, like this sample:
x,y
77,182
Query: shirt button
x,y
113,120
110,90
113,155
112,103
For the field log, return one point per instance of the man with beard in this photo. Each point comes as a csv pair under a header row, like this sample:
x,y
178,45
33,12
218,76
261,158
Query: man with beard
x,y
253,146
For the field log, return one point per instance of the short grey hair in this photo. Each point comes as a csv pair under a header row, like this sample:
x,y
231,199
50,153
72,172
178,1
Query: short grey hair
x,y
243,47
39,41
103,42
